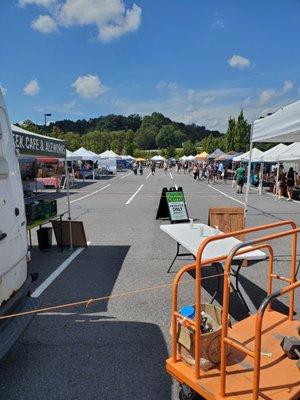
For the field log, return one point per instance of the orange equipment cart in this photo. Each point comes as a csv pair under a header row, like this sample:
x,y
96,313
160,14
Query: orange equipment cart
x,y
252,365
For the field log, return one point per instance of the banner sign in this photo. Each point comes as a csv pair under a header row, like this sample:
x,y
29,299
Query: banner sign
x,y
177,206
37,145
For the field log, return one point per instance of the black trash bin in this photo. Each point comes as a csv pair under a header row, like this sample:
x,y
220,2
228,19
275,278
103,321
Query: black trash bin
x,y
44,238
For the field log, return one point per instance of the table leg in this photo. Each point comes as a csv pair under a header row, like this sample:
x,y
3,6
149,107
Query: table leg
x,y
61,235
179,254
176,255
216,292
236,275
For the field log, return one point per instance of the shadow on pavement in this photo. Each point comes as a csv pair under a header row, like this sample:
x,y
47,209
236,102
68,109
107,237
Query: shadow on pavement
x,y
87,360
81,353
236,307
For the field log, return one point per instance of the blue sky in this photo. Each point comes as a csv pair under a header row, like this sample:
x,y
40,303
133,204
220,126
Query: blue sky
x,y
193,60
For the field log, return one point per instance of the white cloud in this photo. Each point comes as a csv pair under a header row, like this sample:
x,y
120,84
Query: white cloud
x,y
162,85
89,86
270,94
267,95
44,24
219,23
240,62
32,88
70,105
111,17
208,100
41,3
3,89
287,86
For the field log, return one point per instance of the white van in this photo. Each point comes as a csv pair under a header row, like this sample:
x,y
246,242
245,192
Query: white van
x,y
14,278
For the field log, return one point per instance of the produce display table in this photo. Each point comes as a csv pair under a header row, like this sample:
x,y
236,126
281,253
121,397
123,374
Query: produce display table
x,y
50,181
40,223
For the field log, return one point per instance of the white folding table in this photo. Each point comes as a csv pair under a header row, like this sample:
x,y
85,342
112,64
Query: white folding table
x,y
190,237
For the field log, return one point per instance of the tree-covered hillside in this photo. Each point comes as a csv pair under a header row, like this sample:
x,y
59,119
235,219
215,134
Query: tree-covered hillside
x,y
125,134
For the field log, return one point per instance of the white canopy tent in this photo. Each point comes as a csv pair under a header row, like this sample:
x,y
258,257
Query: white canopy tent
x,y
256,156
190,158
273,154
111,160
109,154
291,153
281,126
70,156
127,158
158,158
183,158
85,154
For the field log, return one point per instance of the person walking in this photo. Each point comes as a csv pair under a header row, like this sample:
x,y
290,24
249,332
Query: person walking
x,y
195,172
152,168
165,167
210,173
240,174
290,183
141,168
280,183
135,168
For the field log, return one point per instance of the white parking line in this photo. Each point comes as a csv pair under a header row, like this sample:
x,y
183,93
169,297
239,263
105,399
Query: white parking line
x,y
171,175
148,175
126,175
128,201
227,195
90,194
39,290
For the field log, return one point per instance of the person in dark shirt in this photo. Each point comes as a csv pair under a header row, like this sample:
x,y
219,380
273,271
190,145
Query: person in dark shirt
x,y
240,174
290,183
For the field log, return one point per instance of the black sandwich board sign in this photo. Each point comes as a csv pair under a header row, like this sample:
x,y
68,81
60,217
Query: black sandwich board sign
x,y
172,205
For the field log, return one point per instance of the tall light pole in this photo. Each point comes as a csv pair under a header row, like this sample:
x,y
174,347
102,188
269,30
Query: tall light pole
x,y
45,116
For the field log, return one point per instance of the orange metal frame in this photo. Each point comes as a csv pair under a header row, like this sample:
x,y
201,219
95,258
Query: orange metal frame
x,y
242,248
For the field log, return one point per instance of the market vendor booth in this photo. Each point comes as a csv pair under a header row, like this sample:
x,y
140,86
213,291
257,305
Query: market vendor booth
x,y
42,167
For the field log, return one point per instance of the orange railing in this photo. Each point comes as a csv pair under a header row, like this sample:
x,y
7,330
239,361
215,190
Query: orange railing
x,y
258,243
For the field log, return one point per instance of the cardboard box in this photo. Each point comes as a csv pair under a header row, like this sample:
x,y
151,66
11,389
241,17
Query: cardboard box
x,y
210,342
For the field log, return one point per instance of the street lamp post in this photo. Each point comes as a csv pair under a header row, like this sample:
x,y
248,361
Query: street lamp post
x,y
45,116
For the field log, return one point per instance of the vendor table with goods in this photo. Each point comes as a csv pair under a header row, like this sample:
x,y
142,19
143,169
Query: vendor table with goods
x,y
191,235
50,181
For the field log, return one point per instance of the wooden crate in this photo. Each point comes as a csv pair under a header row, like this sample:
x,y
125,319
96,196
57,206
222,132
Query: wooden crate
x,y
228,219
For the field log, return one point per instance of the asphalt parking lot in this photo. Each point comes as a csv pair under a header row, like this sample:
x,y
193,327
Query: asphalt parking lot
x,y
116,348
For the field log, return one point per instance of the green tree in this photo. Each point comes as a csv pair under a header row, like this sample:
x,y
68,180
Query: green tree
x,y
230,134
146,138
170,152
73,140
209,144
188,148
242,133
168,135
130,144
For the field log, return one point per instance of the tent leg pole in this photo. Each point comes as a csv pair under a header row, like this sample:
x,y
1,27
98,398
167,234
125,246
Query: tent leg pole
x,y
261,174
69,205
248,174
